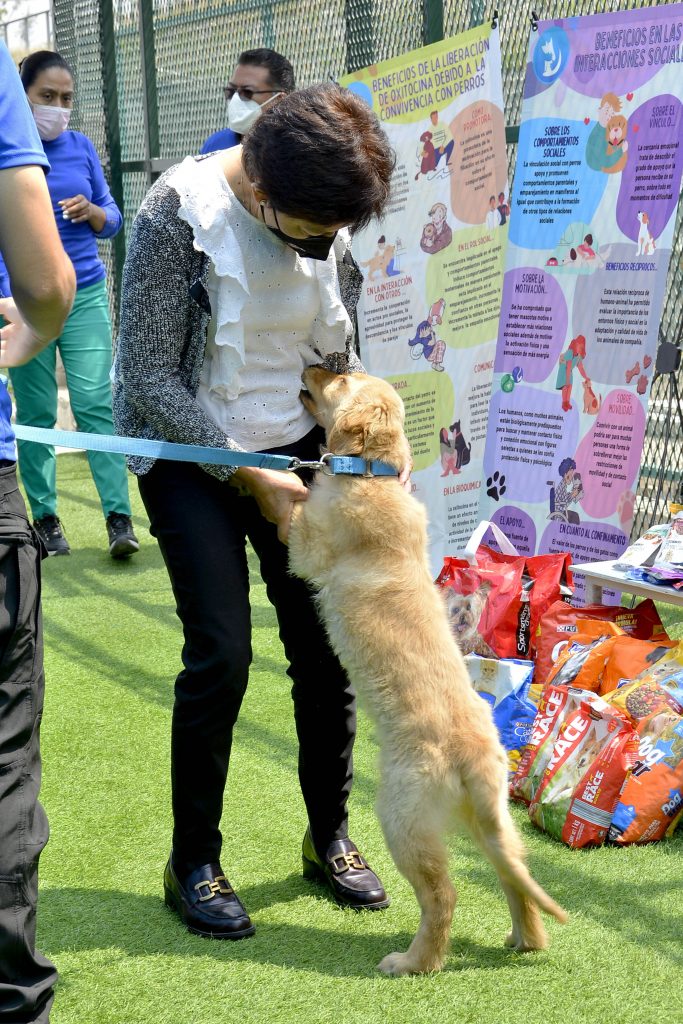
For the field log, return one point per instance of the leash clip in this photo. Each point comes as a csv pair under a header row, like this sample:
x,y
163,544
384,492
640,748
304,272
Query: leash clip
x,y
321,463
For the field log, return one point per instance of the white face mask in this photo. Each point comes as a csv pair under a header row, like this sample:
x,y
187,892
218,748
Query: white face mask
x,y
243,113
50,121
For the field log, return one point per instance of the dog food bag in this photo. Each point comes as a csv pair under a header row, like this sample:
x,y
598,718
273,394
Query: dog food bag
x,y
582,664
594,750
666,672
545,579
628,658
555,704
560,624
651,803
504,684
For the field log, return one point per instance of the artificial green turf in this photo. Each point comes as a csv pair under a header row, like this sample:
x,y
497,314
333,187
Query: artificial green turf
x,y
112,650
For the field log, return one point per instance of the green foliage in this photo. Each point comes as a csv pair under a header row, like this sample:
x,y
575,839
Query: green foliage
x,y
112,650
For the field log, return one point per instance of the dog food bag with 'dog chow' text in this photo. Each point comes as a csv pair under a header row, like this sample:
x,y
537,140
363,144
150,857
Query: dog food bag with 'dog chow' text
x,y
594,750
651,803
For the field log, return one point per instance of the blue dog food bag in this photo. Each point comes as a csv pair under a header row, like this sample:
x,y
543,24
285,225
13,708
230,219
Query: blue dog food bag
x,y
504,684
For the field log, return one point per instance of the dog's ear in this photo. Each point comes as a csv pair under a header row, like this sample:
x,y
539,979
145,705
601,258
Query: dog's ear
x,y
370,428
346,436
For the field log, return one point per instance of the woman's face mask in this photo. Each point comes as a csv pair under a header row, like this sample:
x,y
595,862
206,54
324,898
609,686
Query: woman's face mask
x,y
314,247
50,121
243,113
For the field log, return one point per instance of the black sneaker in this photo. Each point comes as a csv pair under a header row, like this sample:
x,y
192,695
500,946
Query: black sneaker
x,y
122,540
49,529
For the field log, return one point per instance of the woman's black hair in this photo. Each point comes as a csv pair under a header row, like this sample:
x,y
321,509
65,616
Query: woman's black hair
x,y
321,154
566,465
33,65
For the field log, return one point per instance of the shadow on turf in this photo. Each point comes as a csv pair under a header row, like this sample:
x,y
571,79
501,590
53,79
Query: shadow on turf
x,y
73,919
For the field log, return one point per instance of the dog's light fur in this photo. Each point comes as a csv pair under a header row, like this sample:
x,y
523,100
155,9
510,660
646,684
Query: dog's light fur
x,y
362,543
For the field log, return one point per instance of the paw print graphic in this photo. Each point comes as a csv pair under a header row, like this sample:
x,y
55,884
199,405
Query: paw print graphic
x,y
495,486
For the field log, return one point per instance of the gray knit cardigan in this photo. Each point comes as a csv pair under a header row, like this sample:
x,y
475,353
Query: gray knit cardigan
x,y
165,313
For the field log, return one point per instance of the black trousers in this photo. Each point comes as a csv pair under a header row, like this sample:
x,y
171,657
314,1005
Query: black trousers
x,y
202,525
26,978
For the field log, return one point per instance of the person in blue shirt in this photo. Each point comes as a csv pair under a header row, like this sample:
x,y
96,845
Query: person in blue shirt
x,y
43,284
85,211
259,76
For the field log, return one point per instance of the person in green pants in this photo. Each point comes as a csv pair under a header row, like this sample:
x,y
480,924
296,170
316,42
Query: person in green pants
x,y
85,211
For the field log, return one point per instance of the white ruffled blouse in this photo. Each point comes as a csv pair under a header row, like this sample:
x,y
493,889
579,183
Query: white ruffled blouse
x,y
273,314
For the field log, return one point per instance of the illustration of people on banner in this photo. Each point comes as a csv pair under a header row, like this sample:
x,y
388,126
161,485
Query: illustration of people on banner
x,y
597,182
428,320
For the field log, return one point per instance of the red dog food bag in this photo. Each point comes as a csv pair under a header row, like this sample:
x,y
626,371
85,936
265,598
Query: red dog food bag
x,y
560,624
545,579
555,703
594,750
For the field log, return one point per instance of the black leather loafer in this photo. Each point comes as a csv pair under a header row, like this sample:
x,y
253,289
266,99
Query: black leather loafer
x,y
346,873
207,903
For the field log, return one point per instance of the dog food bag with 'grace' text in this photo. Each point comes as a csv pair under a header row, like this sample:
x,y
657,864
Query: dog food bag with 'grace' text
x,y
504,684
595,748
555,704
560,624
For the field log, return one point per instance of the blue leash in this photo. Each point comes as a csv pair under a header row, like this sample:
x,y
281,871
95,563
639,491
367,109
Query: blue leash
x,y
346,464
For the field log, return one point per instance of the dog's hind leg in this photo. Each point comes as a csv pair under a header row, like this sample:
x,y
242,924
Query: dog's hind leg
x,y
421,856
487,817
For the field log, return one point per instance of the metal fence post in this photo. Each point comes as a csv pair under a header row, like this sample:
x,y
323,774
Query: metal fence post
x,y
112,132
150,105
432,21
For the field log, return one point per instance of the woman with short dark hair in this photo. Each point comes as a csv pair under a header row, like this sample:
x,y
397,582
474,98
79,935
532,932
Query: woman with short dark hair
x,y
238,277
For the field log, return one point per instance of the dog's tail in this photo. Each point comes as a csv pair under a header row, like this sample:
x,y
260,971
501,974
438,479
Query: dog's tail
x,y
503,846
525,884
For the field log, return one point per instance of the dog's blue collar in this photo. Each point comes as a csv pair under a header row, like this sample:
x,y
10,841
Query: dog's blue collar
x,y
346,465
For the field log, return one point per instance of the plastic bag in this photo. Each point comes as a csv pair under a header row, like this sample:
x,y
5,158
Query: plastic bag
x,y
495,599
504,684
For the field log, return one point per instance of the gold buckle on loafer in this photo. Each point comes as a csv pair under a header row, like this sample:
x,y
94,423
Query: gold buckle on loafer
x,y
343,862
214,888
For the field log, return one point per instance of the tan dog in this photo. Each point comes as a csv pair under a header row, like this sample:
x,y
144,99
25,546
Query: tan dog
x,y
362,542
378,263
591,401
615,135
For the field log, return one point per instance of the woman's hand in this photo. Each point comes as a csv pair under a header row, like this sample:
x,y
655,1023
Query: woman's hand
x,y
275,492
404,476
18,343
80,210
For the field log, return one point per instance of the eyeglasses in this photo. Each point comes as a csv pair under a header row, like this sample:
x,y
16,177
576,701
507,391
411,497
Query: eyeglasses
x,y
245,92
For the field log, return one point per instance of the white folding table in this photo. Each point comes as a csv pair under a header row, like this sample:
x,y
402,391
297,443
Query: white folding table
x,y
598,575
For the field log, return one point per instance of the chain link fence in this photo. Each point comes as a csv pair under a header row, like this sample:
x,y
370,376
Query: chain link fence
x,y
149,77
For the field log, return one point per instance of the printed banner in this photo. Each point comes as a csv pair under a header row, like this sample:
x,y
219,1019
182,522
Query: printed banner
x,y
596,187
433,267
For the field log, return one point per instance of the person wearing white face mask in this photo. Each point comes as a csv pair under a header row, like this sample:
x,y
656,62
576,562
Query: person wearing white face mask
x,y
85,211
259,77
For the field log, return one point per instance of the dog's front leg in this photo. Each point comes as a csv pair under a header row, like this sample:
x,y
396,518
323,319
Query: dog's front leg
x,y
307,555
